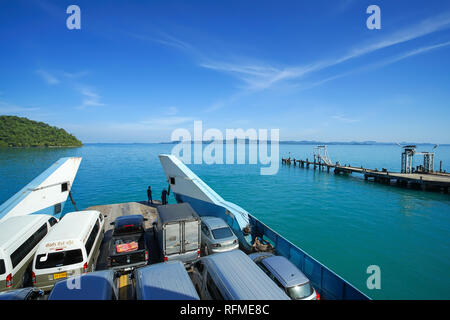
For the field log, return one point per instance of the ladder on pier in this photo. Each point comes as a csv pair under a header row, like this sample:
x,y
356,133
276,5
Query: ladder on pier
x,y
321,153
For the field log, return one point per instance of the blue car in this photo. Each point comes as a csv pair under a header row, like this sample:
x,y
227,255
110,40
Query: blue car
x,y
99,285
164,281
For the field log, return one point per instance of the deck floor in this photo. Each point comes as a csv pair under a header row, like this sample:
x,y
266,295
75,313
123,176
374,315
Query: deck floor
x,y
110,213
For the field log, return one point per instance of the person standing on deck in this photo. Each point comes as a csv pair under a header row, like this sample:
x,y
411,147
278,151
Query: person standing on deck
x,y
149,195
164,196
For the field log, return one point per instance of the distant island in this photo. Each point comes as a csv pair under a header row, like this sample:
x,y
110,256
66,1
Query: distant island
x,y
22,132
313,142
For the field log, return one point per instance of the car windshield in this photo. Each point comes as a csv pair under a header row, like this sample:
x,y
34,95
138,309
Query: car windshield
x,y
221,233
128,226
128,229
300,291
59,259
2,266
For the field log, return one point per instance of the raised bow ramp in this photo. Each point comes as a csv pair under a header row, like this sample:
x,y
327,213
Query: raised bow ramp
x,y
46,194
188,187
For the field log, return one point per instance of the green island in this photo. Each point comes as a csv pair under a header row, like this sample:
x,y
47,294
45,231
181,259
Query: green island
x,y
22,132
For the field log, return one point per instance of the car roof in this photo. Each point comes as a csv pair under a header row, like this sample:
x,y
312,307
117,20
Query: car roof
x,y
18,294
285,271
164,281
19,226
133,219
71,226
97,285
177,212
214,222
241,278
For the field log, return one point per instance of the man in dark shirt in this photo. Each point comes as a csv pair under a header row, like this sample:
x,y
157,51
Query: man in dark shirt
x,y
164,196
149,195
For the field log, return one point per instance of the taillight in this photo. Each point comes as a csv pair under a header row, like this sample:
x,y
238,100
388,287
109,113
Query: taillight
x,y
146,255
317,296
85,267
198,253
33,277
9,280
165,258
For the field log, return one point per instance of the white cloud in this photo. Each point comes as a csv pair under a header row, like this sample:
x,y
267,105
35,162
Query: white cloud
x,y
165,122
49,78
7,108
344,119
259,75
90,98
74,75
171,111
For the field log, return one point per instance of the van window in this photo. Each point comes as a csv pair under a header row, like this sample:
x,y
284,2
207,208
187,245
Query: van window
x,y
2,266
212,288
90,241
59,259
20,253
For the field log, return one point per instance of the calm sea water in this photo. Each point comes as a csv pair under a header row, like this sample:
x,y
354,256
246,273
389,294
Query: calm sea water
x,y
343,221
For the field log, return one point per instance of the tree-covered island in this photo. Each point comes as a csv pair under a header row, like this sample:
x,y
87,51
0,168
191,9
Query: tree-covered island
x,y
22,132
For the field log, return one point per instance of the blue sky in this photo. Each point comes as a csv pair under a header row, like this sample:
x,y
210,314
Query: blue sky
x,y
139,69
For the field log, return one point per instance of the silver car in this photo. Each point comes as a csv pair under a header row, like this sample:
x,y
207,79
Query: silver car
x,y
286,275
217,236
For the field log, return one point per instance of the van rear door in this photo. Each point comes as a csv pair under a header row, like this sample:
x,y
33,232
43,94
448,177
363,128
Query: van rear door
x,y
191,236
173,238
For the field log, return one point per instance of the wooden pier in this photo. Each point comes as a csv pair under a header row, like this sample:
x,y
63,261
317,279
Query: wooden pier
x,y
436,181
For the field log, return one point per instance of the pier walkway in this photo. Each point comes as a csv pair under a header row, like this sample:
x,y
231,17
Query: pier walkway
x,y
436,181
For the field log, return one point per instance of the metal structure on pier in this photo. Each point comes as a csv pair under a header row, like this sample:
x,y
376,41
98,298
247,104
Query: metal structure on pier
x,y
408,159
321,154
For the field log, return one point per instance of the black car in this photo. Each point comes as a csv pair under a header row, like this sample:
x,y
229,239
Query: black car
x,y
128,245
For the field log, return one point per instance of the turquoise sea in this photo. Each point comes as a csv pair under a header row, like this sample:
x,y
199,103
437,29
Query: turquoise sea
x,y
343,221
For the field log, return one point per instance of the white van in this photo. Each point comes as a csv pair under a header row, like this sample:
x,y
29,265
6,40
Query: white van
x,y
19,239
69,249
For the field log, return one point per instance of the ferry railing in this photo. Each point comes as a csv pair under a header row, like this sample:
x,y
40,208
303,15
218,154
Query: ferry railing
x,y
329,285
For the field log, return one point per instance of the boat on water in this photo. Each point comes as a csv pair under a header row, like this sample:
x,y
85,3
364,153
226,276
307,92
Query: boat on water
x,y
47,194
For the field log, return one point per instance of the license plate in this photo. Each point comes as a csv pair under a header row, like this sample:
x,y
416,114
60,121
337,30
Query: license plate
x,y
60,275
